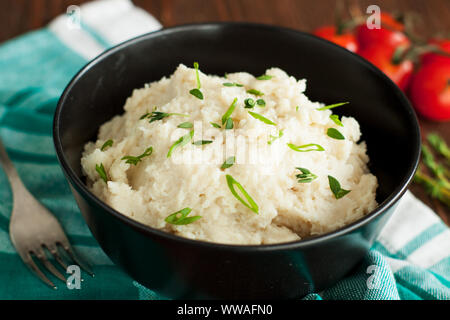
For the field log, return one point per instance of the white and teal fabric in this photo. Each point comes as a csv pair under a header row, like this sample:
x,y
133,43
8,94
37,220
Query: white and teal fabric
x,y
410,259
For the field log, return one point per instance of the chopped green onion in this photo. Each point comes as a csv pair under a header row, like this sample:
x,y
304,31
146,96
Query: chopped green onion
x,y
331,106
145,115
251,204
264,77
335,187
261,118
181,217
335,134
305,176
197,75
101,172
107,144
158,115
215,125
273,138
202,142
182,141
255,92
229,111
261,102
232,84
336,120
296,108
306,147
185,125
229,124
249,103
196,93
228,162
135,160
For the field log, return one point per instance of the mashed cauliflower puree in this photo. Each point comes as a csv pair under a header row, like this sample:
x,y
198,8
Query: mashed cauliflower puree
x,y
236,159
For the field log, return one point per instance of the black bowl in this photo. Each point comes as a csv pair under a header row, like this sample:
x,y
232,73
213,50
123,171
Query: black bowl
x,y
183,268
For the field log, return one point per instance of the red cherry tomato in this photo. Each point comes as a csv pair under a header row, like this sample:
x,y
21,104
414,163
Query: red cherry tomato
x,y
442,44
429,91
382,57
390,34
345,39
380,45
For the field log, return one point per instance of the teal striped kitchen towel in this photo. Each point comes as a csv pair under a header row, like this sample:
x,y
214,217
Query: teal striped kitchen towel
x,y
410,259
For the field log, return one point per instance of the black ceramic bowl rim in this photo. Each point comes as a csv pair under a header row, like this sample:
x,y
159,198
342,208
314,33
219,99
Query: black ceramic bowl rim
x,y
386,204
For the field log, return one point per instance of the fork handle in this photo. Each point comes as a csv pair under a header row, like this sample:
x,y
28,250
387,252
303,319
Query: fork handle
x,y
10,171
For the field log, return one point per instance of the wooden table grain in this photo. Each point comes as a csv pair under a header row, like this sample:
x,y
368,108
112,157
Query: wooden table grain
x,y
20,16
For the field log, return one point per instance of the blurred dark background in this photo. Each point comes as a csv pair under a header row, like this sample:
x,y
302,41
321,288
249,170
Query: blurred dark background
x,y
20,16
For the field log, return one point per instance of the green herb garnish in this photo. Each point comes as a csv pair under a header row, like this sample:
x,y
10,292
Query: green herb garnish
x,y
264,77
306,147
305,176
261,118
181,217
197,75
229,124
437,182
182,141
251,204
145,115
232,84
255,92
215,125
228,162
202,142
185,125
439,170
439,145
249,103
107,144
261,103
434,187
296,108
273,138
101,172
336,120
335,134
135,160
196,92
229,111
331,106
335,187
158,115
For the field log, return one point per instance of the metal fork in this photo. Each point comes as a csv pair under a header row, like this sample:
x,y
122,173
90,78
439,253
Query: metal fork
x,y
34,230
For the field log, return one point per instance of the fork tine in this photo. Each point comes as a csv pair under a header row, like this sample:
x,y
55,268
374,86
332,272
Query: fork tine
x,y
59,260
84,266
28,259
54,251
50,267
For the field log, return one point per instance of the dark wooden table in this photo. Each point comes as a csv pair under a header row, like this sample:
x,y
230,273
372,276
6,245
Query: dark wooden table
x,y
19,16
